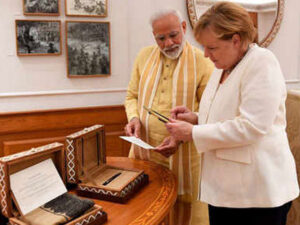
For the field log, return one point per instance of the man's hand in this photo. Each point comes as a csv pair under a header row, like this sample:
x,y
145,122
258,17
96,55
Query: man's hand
x,y
180,130
183,113
168,147
133,128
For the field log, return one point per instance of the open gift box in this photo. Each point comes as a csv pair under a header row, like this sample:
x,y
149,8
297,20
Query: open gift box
x,y
12,164
87,168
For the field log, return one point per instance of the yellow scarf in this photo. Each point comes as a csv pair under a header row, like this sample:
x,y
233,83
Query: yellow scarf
x,y
183,93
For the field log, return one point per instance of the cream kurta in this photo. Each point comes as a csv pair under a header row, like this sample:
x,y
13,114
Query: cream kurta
x,y
247,161
163,103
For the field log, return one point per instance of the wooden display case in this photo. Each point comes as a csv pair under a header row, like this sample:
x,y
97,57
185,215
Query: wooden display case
x,y
17,162
87,168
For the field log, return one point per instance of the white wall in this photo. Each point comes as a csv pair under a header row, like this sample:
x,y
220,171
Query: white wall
x,y
265,21
40,82
286,45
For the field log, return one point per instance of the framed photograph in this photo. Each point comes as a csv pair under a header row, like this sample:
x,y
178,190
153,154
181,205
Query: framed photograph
x,y
38,37
41,7
88,48
94,8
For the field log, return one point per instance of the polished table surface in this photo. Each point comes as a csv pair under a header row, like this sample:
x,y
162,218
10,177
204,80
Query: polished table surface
x,y
151,204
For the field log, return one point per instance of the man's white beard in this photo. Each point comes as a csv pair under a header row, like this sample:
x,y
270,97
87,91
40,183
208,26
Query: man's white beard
x,y
174,54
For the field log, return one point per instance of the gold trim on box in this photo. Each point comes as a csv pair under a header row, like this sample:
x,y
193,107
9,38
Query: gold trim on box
x,y
2,190
123,193
71,173
30,152
84,131
90,219
97,190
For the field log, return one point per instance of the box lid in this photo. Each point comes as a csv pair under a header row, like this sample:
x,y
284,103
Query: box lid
x,y
16,162
85,149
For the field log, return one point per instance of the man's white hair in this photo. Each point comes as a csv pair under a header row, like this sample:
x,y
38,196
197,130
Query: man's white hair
x,y
165,12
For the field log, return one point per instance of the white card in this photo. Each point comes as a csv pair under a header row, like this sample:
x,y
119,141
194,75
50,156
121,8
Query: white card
x,y
137,141
36,185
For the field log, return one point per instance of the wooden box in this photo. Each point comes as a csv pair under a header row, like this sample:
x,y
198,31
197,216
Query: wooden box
x,y
17,162
87,168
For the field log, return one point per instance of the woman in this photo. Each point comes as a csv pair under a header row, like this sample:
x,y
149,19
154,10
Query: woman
x,y
248,172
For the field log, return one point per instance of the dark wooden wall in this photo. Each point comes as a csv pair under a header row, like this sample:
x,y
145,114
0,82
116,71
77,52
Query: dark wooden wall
x,y
24,130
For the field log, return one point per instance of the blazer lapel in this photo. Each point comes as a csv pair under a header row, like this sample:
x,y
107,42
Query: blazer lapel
x,y
209,95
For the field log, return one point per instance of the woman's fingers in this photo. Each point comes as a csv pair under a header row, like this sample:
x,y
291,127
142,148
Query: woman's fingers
x,y
178,110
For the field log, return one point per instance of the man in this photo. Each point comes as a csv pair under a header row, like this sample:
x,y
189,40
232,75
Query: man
x,y
51,48
165,75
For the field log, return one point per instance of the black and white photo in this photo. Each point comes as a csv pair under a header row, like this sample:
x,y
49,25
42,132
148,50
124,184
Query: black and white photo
x,y
38,37
88,48
41,7
94,8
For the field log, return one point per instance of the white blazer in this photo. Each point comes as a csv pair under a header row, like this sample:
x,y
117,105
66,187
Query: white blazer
x,y
247,161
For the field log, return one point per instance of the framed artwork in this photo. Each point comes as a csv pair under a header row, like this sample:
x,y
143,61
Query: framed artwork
x,y
88,48
94,8
38,37
41,7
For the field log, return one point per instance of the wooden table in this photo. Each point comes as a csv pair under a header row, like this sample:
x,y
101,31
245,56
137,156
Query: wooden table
x,y
151,204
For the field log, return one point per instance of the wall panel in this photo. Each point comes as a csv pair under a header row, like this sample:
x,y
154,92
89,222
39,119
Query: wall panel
x,y
23,130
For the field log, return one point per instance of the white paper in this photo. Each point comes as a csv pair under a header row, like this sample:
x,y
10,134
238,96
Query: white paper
x,y
36,185
137,141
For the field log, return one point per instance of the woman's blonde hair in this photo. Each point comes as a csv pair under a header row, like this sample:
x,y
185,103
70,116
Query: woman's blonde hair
x,y
227,19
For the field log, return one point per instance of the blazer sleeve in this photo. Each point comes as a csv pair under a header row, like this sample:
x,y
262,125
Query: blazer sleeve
x,y
262,93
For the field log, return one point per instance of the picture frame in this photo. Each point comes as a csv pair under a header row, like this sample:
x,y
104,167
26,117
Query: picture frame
x,y
86,8
38,37
88,48
41,7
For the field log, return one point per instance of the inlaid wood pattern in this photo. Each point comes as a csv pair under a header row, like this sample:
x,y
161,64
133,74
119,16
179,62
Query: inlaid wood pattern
x,y
149,206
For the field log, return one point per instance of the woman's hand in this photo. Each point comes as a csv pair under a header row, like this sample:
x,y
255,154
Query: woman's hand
x,y
180,130
168,147
183,113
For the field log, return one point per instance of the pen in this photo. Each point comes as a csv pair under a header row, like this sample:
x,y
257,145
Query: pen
x,y
111,178
156,114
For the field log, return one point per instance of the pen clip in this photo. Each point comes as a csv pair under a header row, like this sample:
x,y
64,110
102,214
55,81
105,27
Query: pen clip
x,y
157,115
